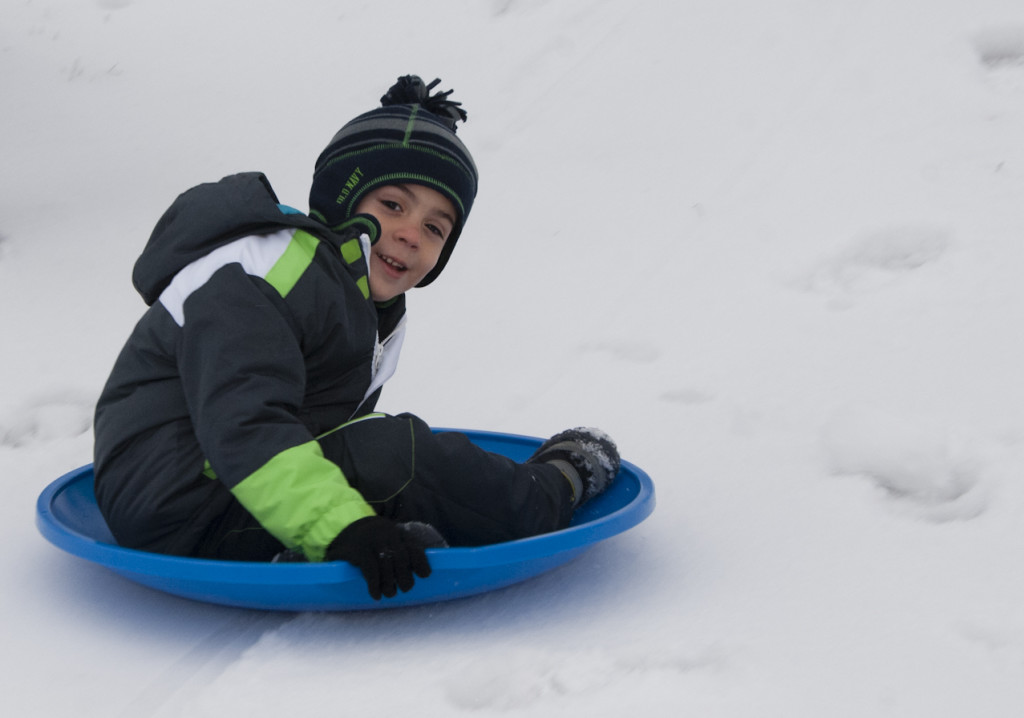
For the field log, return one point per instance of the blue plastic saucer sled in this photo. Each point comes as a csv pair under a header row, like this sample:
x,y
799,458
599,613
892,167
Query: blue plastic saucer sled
x,y
67,515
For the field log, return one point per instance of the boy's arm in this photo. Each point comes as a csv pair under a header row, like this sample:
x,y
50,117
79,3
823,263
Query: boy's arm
x,y
244,378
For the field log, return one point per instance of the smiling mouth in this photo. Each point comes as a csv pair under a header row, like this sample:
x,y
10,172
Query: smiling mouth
x,y
392,262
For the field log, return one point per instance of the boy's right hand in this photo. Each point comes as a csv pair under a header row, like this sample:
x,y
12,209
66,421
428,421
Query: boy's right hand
x,y
387,556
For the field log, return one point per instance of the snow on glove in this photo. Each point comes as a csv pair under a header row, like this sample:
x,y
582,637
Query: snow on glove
x,y
386,555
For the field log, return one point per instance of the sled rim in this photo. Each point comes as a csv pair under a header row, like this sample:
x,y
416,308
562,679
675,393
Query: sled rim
x,y
67,516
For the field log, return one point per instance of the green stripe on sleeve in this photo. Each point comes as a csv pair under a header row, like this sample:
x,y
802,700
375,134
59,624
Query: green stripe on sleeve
x,y
302,499
296,258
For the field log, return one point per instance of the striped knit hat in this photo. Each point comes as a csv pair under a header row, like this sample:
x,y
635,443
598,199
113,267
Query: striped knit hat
x,y
410,139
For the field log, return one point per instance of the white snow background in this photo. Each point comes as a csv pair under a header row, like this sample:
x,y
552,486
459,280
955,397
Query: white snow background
x,y
774,248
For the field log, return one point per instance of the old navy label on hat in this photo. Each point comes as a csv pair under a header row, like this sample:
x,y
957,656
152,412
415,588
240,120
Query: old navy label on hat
x,y
350,184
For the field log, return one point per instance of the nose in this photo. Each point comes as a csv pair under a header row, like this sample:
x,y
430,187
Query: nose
x,y
408,233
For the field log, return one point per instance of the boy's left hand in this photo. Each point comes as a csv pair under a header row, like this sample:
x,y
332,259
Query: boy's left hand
x,y
386,555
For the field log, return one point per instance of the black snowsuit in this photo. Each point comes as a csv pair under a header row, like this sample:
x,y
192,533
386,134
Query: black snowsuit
x,y
237,420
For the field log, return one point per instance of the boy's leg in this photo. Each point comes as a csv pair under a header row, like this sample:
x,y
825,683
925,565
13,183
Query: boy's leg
x,y
473,497
238,536
408,473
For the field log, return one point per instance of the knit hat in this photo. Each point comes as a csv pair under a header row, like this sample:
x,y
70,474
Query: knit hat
x,y
410,139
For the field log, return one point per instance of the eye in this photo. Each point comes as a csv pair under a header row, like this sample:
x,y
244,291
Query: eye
x,y
391,204
434,229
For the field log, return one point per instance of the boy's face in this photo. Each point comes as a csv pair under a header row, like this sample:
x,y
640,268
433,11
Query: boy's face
x,y
415,222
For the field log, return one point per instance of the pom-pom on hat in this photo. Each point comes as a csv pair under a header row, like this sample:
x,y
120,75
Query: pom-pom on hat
x,y
410,139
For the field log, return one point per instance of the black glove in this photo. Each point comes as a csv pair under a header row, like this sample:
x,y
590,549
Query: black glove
x,y
387,555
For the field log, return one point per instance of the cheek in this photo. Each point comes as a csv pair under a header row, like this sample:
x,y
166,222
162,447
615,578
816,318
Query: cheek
x,y
436,254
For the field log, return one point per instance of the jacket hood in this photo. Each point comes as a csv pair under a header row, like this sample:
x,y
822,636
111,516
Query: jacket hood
x,y
206,217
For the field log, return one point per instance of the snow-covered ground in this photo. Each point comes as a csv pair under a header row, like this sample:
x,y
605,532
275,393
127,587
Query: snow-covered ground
x,y
774,248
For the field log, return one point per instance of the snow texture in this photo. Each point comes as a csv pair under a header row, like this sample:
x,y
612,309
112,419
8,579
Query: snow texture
x,y
773,249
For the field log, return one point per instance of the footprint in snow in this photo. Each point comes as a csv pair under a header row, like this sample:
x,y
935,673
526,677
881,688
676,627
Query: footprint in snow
x,y
999,638
924,466
874,261
46,418
1001,51
1000,47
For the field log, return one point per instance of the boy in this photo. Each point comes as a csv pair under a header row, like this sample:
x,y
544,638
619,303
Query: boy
x,y
238,421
